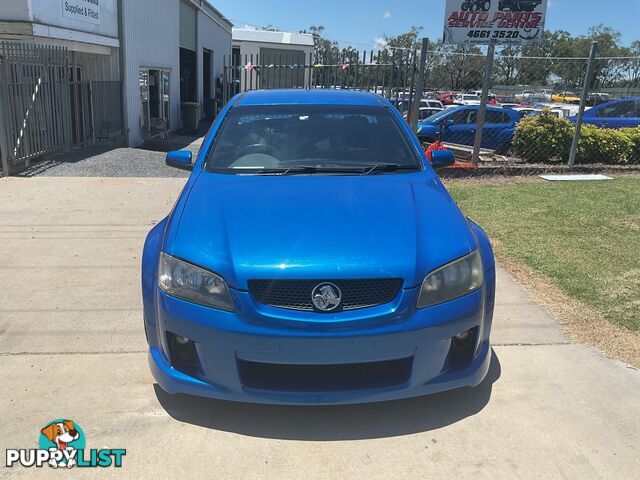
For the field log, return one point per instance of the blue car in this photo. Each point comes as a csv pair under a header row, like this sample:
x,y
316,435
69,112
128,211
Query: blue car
x,y
458,125
615,114
314,257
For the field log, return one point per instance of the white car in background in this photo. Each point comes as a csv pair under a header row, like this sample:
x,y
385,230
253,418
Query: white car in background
x,y
544,92
428,103
467,99
522,96
425,112
508,105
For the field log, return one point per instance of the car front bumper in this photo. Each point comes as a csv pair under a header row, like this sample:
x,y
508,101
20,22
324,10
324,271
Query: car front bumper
x,y
256,334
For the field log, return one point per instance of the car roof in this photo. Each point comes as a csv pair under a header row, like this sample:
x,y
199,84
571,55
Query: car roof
x,y
309,97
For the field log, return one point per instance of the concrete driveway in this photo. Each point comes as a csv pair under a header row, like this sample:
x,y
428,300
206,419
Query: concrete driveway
x,y
72,345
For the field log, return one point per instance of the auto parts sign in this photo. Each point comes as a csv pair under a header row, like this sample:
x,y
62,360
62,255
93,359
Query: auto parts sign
x,y
515,22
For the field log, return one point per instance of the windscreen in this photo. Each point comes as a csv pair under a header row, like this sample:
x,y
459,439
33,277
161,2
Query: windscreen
x,y
321,136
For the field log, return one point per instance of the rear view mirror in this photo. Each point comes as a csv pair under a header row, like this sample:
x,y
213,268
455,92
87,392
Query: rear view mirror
x,y
179,159
442,159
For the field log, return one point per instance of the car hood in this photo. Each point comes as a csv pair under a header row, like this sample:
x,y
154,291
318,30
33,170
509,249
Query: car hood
x,y
320,227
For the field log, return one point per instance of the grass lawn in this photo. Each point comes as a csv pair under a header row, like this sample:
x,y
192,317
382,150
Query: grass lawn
x,y
584,236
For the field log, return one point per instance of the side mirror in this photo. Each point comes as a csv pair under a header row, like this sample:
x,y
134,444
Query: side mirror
x,y
179,159
448,122
442,159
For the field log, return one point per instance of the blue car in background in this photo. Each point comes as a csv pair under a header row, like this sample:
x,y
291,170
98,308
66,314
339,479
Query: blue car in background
x,y
458,125
621,113
314,257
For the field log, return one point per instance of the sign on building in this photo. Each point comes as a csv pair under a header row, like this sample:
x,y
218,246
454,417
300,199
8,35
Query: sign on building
x,y
85,10
516,22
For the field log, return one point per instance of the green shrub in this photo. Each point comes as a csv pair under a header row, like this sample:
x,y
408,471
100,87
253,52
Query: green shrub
x,y
546,138
603,145
543,138
634,135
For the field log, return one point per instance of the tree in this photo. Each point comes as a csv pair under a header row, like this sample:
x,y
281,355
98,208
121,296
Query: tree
x,y
506,65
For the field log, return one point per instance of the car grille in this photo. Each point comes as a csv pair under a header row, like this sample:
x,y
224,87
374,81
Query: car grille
x,y
296,294
319,378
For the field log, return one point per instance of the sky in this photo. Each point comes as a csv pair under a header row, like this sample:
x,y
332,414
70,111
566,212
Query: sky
x,y
360,22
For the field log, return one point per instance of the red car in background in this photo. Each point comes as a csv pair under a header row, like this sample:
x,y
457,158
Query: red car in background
x,y
448,98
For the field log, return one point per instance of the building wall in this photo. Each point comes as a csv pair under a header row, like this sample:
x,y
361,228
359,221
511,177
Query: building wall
x,y
98,67
250,53
93,42
214,36
151,39
53,12
16,10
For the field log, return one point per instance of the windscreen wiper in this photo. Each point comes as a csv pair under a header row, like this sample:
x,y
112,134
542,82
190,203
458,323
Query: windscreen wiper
x,y
302,169
387,167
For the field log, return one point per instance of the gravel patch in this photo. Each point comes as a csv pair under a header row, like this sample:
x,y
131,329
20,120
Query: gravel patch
x,y
102,161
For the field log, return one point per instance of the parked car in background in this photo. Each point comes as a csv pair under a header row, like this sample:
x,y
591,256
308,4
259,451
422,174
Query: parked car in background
x,y
424,113
448,98
615,114
527,111
566,97
596,98
522,96
546,93
404,105
431,95
504,99
428,112
467,99
508,105
314,258
458,125
537,100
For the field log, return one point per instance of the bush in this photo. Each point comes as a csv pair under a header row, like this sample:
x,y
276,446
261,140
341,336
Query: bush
x,y
634,135
603,145
543,138
546,138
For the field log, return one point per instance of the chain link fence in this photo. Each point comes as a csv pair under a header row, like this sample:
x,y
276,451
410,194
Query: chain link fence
x,y
533,101
533,105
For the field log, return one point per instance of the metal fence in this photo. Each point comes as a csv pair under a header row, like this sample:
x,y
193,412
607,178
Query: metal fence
x,y
390,74
43,110
532,103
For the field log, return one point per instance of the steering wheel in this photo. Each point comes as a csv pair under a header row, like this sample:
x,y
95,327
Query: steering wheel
x,y
255,148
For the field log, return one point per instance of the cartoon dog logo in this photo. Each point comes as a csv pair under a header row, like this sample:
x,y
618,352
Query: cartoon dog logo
x,y
62,433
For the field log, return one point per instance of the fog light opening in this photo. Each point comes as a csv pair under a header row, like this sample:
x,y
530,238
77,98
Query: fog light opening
x,y
463,347
182,353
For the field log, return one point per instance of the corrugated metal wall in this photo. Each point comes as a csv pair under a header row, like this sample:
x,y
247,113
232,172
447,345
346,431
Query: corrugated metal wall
x,y
151,40
187,27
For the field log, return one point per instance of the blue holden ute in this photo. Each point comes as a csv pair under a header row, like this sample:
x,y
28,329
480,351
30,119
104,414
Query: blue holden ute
x,y
314,257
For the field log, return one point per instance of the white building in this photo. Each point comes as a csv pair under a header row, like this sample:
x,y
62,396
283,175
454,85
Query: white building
x,y
87,28
162,53
173,53
262,47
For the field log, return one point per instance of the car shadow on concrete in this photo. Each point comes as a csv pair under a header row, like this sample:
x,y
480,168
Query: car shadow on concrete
x,y
345,422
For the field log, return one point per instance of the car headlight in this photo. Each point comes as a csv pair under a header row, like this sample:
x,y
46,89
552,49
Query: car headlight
x,y
194,284
451,281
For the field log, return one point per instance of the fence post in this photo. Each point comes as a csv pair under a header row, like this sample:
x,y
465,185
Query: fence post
x,y
4,110
482,111
583,102
415,109
4,144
